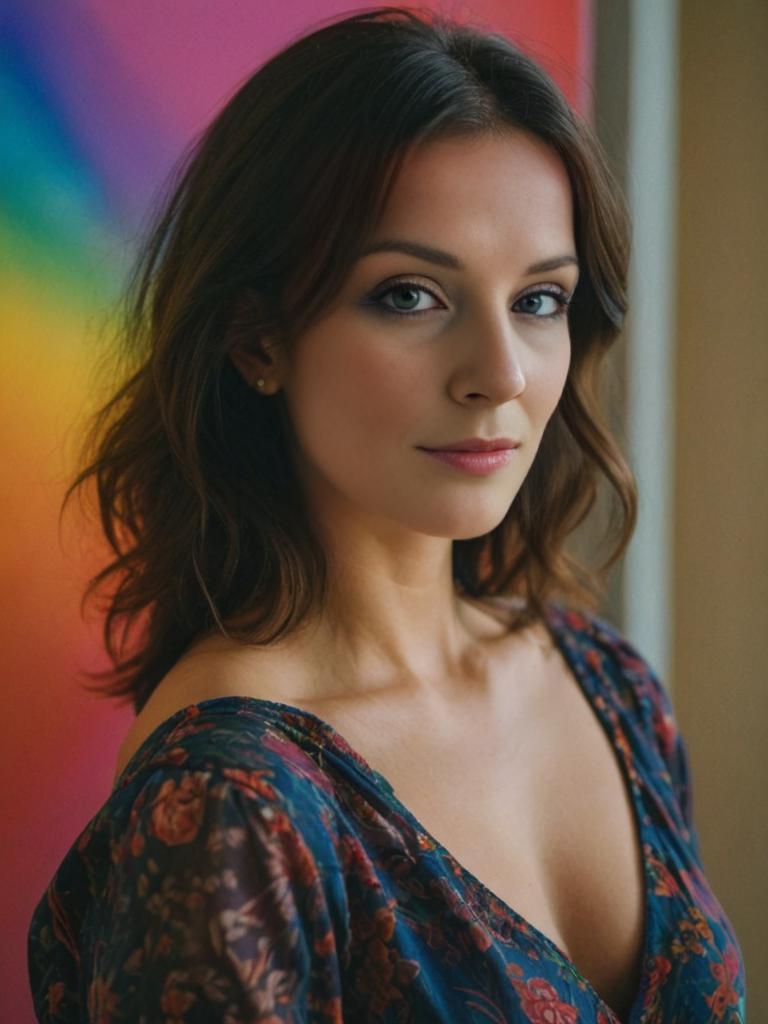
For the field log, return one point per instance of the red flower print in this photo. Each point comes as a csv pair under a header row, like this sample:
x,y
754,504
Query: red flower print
x,y
666,732
480,936
658,970
251,782
725,994
189,725
593,658
85,835
137,844
55,995
332,1010
102,1002
540,1004
176,756
356,861
325,945
426,845
177,811
297,853
575,619
691,931
175,1002
665,883
626,751
633,664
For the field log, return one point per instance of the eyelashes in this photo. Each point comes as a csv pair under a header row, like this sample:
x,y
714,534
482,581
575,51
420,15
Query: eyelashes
x,y
542,295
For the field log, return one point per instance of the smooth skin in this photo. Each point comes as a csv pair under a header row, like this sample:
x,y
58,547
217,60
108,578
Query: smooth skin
x,y
479,351
485,736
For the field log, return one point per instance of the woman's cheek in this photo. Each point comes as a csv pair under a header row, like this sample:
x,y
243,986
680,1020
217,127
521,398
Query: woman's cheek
x,y
545,382
346,401
378,388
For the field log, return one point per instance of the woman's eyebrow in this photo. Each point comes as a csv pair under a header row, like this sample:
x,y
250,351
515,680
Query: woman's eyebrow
x,y
447,259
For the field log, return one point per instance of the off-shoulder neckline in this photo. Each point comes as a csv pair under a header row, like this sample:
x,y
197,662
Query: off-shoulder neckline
x,y
558,631
555,614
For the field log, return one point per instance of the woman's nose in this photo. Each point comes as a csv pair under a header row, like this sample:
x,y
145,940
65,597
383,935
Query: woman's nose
x,y
496,366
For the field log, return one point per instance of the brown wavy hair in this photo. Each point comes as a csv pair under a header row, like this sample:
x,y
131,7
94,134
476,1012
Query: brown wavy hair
x,y
193,472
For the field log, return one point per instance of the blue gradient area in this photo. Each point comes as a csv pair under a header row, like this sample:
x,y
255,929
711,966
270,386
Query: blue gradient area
x,y
52,204
80,159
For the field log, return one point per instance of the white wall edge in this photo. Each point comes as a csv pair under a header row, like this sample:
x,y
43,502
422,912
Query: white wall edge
x,y
651,188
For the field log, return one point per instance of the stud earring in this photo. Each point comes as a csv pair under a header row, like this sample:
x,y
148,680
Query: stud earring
x,y
260,382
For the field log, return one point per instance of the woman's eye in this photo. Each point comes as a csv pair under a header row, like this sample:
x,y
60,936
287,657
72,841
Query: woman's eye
x,y
544,304
405,299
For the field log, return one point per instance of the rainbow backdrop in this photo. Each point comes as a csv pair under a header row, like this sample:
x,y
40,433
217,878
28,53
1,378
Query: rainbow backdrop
x,y
100,97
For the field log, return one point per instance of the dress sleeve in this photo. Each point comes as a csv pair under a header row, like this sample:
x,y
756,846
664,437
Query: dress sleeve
x,y
220,907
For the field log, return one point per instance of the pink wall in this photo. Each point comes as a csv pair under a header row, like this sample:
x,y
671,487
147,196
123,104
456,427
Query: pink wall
x,y
103,96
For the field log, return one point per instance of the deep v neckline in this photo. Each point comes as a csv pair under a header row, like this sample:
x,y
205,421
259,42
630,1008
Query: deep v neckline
x,y
331,736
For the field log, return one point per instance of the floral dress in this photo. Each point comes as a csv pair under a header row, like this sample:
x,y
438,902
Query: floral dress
x,y
249,865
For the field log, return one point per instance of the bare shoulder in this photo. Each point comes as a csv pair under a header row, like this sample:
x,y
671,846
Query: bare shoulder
x,y
216,666
212,667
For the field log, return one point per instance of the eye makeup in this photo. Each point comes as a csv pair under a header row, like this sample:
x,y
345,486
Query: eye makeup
x,y
554,293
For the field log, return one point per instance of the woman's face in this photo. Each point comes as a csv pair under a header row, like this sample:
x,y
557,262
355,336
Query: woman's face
x,y
422,353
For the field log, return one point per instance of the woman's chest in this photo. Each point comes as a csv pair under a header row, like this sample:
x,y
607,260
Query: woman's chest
x,y
539,813
523,789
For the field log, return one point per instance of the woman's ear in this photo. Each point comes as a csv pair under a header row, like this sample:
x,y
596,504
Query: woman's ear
x,y
247,361
254,362
253,352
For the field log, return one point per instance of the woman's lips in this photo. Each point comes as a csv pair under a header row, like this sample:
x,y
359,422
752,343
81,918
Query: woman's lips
x,y
477,463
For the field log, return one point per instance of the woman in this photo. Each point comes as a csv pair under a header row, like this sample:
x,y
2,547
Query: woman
x,y
378,772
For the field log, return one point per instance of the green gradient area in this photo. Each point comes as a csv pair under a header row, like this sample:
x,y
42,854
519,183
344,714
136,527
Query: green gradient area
x,y
54,221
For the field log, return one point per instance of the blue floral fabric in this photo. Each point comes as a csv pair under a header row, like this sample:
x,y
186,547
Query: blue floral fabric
x,y
249,865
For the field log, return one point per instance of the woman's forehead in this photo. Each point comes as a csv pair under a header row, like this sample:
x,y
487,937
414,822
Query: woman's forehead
x,y
472,193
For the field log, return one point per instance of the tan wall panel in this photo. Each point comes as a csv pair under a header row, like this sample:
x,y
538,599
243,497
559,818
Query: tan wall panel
x,y
721,488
